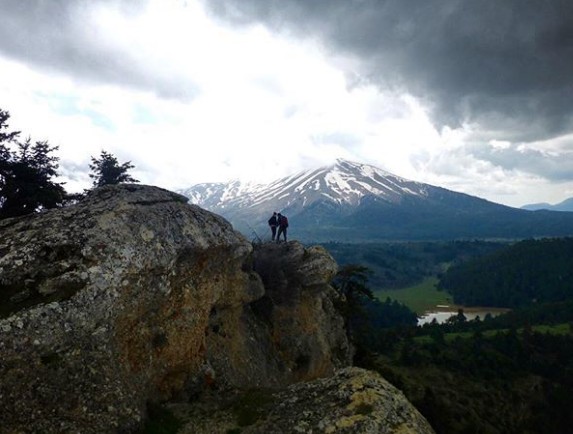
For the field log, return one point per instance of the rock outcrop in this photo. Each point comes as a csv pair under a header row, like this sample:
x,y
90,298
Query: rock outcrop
x,y
291,333
133,296
353,400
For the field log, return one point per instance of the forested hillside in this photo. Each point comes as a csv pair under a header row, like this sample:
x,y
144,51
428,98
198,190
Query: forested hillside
x,y
396,265
508,374
506,381
531,271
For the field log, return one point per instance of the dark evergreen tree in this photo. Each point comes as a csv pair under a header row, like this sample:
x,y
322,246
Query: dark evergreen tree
x,y
351,281
5,136
106,170
26,174
458,318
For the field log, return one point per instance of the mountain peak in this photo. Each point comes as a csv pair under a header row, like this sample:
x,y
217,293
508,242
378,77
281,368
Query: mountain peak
x,y
342,184
361,169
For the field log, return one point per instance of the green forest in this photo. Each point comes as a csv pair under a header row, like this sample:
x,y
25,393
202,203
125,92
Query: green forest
x,y
512,373
531,271
400,264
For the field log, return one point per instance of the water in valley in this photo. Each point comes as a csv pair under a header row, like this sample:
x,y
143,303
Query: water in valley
x,y
442,313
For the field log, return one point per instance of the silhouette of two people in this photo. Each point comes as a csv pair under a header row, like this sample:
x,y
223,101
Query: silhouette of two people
x,y
280,222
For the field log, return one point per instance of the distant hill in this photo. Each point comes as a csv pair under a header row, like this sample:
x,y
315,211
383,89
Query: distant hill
x,y
354,202
566,205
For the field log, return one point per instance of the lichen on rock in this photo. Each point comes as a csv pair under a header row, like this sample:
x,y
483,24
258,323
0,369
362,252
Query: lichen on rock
x,y
353,400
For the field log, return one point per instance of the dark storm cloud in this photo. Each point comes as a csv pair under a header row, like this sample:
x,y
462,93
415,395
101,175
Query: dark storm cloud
x,y
60,35
505,65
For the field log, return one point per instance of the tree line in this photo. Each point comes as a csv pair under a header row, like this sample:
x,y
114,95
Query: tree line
x,y
28,170
507,381
528,272
402,264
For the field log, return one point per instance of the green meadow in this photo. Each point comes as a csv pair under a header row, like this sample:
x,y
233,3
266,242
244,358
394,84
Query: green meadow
x,y
420,298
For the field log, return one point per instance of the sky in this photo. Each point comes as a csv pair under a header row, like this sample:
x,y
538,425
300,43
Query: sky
x,y
476,97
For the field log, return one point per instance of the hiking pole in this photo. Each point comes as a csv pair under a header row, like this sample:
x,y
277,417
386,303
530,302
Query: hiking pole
x,y
259,240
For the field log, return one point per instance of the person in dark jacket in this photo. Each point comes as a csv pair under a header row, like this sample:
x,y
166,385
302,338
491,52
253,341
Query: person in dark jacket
x,y
283,225
273,223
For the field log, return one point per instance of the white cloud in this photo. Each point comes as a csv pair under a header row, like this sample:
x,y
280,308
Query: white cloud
x,y
189,100
500,144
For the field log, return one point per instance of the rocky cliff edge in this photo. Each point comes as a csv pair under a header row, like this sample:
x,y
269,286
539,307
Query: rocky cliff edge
x,y
134,296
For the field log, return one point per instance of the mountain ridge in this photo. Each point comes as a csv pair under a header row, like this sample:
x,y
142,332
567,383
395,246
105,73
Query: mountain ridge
x,y
350,201
565,205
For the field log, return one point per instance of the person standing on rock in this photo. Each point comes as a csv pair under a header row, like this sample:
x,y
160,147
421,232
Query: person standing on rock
x,y
283,225
273,223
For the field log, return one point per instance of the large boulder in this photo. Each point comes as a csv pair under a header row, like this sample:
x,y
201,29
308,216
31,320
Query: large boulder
x,y
133,296
353,400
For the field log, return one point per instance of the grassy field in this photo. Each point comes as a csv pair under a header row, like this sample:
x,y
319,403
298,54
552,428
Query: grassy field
x,y
555,329
419,298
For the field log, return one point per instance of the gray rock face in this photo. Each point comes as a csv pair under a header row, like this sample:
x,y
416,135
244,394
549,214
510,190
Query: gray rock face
x,y
133,296
298,303
291,333
353,400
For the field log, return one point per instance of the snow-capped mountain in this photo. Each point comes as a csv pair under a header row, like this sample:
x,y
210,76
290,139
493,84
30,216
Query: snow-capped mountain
x,y
344,183
350,201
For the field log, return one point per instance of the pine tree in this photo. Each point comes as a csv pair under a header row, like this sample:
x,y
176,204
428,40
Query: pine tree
x,y
351,281
107,170
26,172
